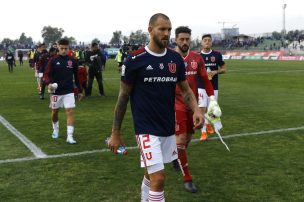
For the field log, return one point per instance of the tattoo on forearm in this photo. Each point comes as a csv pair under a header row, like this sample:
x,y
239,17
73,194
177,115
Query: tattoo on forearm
x,y
120,110
187,99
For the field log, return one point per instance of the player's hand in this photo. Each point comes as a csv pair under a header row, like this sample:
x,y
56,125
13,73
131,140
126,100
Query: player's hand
x,y
198,119
213,73
52,87
115,141
214,109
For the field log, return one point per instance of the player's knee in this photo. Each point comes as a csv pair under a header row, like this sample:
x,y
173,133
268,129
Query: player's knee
x,y
157,180
70,111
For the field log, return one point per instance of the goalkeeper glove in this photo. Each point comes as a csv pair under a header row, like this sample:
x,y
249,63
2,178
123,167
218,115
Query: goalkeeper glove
x,y
214,109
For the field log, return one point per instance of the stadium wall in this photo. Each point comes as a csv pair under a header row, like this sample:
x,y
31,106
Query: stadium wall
x,y
265,55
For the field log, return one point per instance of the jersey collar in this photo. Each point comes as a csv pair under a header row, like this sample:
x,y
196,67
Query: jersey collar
x,y
156,54
206,53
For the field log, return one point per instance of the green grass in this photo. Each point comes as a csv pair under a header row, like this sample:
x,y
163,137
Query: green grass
x,y
9,141
254,96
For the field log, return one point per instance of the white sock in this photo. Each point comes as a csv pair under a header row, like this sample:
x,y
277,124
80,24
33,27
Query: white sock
x,y
145,188
55,127
70,130
156,196
203,129
206,121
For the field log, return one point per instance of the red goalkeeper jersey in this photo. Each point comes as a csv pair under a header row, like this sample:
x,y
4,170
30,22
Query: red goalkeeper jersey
x,y
195,67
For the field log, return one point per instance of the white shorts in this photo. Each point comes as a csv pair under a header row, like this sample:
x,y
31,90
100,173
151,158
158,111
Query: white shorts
x,y
155,151
203,99
66,101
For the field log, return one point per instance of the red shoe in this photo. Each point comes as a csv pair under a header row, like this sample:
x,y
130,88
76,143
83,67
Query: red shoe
x,y
204,136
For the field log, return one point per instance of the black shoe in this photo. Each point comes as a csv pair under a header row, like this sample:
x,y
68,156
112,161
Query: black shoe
x,y
190,187
175,166
41,97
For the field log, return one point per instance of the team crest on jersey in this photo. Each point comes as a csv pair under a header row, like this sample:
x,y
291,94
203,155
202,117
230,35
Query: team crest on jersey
x,y
70,64
212,59
123,70
194,65
172,67
161,66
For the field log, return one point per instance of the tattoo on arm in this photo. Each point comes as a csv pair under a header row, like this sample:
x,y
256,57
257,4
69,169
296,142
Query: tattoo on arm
x,y
188,95
121,105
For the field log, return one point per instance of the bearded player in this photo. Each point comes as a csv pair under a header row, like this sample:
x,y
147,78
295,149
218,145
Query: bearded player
x,y
195,67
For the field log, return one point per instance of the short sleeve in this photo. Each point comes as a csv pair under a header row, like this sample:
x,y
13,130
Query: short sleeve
x,y
221,60
181,69
128,71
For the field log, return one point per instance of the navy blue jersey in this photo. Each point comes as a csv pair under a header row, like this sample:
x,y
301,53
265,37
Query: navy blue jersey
x,y
213,60
43,61
10,58
154,77
62,70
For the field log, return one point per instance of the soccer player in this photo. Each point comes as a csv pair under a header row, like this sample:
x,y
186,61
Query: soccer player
x,y
195,67
215,65
43,61
60,70
38,58
149,78
82,76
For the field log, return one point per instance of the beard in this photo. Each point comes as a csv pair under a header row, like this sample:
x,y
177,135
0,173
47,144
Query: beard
x,y
184,48
161,43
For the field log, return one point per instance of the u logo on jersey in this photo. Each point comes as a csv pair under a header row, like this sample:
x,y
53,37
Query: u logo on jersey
x,y
194,65
212,59
172,67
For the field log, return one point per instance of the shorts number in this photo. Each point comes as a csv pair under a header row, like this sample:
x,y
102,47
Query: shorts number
x,y
54,97
146,138
148,156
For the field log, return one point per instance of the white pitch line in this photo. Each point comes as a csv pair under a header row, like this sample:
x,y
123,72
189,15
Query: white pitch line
x,y
268,72
254,133
38,153
135,147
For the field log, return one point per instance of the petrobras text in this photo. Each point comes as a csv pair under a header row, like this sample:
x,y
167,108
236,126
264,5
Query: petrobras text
x,y
160,79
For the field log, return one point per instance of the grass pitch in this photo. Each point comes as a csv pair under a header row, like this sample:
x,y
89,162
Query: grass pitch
x,y
254,96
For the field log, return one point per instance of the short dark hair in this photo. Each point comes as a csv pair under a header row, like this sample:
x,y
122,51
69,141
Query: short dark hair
x,y
156,16
63,42
182,29
52,49
94,44
206,35
40,44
